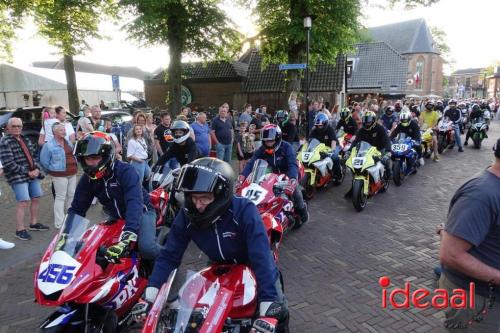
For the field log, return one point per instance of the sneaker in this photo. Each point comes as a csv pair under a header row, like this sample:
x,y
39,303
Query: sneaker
x,y
460,150
23,235
38,227
4,245
436,158
421,161
466,143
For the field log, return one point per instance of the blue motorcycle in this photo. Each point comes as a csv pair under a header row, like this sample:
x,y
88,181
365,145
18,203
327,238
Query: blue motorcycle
x,y
404,158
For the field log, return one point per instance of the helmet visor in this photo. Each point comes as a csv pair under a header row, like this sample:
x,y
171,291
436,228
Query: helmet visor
x,y
196,179
91,146
269,134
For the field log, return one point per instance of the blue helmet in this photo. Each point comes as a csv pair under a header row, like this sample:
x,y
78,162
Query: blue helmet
x,y
321,119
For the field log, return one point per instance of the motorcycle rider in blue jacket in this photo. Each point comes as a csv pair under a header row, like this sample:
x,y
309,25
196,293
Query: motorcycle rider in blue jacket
x,y
226,228
281,157
116,185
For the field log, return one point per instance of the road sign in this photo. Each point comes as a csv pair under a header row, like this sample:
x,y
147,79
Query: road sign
x,y
116,82
284,67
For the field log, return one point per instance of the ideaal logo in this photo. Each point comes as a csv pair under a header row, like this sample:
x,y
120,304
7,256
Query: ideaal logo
x,y
418,298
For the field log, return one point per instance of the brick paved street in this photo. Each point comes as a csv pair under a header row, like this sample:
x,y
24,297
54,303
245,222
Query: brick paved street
x,y
331,266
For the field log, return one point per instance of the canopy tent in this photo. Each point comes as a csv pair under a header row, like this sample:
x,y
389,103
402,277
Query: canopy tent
x,y
18,83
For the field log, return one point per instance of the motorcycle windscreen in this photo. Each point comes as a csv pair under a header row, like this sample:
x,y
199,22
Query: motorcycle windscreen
x,y
363,148
202,306
259,171
401,137
58,272
313,143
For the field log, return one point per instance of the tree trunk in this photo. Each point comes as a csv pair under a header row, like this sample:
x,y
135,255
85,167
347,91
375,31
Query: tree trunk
x,y
69,69
174,80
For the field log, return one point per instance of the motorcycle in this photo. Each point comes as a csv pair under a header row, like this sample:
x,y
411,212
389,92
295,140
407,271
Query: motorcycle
x,y
218,298
164,198
445,134
464,124
93,295
427,143
478,130
369,176
345,141
267,191
404,158
318,167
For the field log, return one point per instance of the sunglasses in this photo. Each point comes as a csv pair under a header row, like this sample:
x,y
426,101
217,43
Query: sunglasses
x,y
16,126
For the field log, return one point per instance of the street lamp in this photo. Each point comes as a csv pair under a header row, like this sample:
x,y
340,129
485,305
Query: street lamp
x,y
307,26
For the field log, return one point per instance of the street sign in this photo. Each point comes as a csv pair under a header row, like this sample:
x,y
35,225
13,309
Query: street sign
x,y
116,82
284,67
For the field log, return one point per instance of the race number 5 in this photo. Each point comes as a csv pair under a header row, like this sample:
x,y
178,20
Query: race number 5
x,y
253,195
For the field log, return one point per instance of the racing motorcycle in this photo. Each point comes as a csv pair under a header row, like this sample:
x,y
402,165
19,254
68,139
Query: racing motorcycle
x,y
92,295
318,167
267,191
478,130
345,142
369,175
427,143
445,134
219,298
404,158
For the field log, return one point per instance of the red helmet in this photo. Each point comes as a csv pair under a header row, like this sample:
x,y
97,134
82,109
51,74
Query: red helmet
x,y
271,132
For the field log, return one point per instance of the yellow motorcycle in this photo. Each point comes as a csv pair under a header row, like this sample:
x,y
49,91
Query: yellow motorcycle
x,y
368,174
427,143
318,167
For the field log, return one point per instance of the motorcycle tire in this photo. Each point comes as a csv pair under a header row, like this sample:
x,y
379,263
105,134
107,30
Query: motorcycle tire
x,y
342,175
308,189
442,144
359,199
477,141
398,174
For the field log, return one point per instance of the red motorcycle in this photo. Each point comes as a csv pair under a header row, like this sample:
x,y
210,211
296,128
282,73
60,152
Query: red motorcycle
x,y
267,191
219,298
92,294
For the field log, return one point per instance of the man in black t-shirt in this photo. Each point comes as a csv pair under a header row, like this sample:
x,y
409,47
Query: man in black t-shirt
x,y
470,250
163,134
325,134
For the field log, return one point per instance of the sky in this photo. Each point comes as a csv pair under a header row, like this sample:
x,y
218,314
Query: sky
x,y
470,28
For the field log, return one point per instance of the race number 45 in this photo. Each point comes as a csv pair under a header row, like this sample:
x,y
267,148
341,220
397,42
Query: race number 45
x,y
57,273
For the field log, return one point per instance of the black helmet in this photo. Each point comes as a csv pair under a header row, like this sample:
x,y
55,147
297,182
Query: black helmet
x,y
369,120
429,105
96,144
180,125
206,175
345,114
475,107
281,116
389,110
414,109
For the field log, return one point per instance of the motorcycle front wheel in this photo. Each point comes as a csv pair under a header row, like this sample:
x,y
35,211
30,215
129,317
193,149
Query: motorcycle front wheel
x,y
359,198
308,188
477,140
397,172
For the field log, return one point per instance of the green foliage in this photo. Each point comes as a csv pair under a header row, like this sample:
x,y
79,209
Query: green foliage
x,y
11,13
70,24
490,70
196,27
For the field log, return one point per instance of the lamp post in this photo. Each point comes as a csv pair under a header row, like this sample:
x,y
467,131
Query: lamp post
x,y
307,27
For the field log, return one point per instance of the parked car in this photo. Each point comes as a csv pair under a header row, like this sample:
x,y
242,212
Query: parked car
x,y
117,117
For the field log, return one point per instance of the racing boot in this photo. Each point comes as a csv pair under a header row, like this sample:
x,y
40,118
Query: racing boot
x,y
303,214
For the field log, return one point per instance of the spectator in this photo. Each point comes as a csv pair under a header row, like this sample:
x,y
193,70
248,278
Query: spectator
x,y
116,135
95,118
245,144
83,105
4,245
292,103
49,115
222,135
140,119
470,251
103,105
163,135
290,131
57,159
202,134
84,125
137,152
61,117
23,174
313,111
151,128
255,126
356,114
246,115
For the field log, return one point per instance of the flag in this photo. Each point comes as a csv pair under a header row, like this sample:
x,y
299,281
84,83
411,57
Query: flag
x,y
416,77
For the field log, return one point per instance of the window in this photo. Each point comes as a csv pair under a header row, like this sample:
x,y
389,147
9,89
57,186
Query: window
x,y
467,82
419,73
350,67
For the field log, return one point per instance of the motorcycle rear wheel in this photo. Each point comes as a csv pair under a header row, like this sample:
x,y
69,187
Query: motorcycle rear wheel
x,y
359,199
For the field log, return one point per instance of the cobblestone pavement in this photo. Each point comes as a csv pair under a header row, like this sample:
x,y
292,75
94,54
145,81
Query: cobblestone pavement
x,y
331,266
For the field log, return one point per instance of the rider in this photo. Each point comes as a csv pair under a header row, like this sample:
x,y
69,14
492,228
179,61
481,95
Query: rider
x,y
455,115
389,119
476,113
280,117
116,185
183,150
281,157
347,122
376,135
411,129
210,213
325,133
429,119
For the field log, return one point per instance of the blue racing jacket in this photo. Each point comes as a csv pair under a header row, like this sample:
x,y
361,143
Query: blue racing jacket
x,y
282,161
238,237
121,194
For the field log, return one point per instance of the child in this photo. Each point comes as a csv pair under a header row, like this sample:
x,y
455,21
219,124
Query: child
x,y
245,142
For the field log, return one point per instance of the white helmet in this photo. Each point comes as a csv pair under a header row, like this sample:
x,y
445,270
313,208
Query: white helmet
x,y
180,125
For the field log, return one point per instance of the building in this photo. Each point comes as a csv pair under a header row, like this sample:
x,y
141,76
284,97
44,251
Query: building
x,y
468,83
493,84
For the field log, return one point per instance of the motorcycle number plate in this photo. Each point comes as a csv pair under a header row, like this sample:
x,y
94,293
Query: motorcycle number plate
x,y
358,162
57,273
306,156
255,193
399,147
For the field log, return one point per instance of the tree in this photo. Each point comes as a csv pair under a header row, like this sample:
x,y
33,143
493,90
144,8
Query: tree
x,y
439,37
10,14
69,25
189,27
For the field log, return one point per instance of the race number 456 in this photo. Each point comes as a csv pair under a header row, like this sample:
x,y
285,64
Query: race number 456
x,y
57,273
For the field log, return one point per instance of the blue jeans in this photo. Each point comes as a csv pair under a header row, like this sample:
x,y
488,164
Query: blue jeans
x,y
224,152
27,190
336,162
148,248
456,128
142,169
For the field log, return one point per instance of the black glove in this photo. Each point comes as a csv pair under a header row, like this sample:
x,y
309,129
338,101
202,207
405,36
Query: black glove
x,y
143,306
116,251
264,325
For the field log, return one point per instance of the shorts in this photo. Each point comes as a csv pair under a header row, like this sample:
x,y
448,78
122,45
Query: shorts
x,y
27,190
246,156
